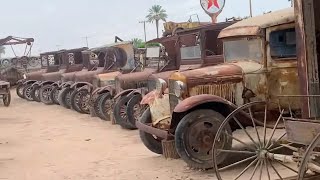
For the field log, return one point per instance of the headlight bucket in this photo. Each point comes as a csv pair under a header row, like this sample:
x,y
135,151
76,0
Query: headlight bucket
x,y
161,85
179,88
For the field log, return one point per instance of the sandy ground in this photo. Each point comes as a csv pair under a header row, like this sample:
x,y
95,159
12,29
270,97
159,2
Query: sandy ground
x,y
40,142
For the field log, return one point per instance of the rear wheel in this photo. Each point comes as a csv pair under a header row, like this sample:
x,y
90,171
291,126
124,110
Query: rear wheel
x,y
35,93
151,142
80,101
19,90
27,92
54,95
64,97
120,113
105,106
7,99
45,94
195,135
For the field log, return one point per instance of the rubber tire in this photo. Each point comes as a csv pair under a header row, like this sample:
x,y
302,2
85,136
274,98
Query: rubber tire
x,y
183,127
102,103
54,100
74,105
25,91
124,123
20,86
62,97
47,102
136,99
7,100
97,107
33,93
147,139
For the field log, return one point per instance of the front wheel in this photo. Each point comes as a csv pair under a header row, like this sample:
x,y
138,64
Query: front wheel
x,y
120,113
27,92
135,109
19,90
45,94
35,93
80,101
153,143
64,97
105,106
195,135
54,95
7,99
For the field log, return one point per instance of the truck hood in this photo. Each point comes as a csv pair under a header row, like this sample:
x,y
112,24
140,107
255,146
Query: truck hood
x,y
130,81
54,76
37,75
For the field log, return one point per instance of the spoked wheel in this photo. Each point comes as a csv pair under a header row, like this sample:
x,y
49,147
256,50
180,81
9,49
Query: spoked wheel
x,y
35,93
135,109
54,95
105,106
310,164
45,92
85,101
120,113
194,137
80,101
254,151
27,92
7,99
64,97
97,108
19,90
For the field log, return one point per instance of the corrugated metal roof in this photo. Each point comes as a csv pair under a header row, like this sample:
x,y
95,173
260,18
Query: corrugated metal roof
x,y
253,26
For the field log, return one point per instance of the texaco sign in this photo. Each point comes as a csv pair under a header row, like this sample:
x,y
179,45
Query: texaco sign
x,y
212,7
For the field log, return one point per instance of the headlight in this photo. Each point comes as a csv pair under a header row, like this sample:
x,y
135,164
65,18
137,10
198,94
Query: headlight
x,y
161,85
179,88
24,76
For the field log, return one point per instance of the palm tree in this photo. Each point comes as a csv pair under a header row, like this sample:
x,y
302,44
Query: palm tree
x,y
156,13
2,50
137,43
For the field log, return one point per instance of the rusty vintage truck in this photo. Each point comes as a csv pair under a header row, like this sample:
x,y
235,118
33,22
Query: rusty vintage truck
x,y
113,58
260,63
72,61
49,63
192,50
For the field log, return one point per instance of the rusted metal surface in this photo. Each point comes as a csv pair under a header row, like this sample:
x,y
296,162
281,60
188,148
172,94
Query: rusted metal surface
x,y
254,26
151,130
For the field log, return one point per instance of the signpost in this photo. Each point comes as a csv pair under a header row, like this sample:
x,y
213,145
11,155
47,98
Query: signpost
x,y
213,8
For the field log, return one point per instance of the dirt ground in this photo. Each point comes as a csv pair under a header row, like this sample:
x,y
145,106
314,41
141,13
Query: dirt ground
x,y
40,142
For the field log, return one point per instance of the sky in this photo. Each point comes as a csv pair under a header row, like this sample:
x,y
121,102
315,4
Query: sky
x,y
63,24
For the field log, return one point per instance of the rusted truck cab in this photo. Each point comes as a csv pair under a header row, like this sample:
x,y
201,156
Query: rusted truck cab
x,y
49,63
260,63
71,61
192,50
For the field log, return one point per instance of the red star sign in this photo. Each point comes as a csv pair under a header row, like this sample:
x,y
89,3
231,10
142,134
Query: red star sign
x,y
213,2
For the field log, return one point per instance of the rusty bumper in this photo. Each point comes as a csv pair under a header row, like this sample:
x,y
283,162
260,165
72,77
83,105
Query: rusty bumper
x,y
154,131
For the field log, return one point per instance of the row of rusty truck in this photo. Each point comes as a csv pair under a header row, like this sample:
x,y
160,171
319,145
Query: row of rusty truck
x,y
179,91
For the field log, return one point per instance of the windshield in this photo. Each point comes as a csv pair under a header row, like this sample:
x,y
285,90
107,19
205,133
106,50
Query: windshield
x,y
243,49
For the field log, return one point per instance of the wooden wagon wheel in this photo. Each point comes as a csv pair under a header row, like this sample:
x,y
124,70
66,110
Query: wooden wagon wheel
x,y
310,164
254,154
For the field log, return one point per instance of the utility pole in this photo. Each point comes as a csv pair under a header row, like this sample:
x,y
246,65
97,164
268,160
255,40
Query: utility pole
x,y
87,42
144,28
250,4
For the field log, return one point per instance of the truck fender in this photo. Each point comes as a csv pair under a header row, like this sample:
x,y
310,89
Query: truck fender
x,y
66,84
124,93
21,81
141,91
80,84
106,89
88,87
57,84
201,101
29,82
46,83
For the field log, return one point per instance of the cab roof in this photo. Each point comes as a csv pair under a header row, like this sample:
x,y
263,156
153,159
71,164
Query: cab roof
x,y
254,26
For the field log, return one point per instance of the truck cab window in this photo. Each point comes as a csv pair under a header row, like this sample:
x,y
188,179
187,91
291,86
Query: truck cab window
x,y
283,44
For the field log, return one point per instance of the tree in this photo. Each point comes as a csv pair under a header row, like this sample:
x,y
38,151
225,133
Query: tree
x,y
138,43
156,13
2,50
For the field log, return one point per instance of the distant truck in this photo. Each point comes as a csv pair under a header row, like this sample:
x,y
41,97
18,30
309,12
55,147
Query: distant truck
x,y
171,28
